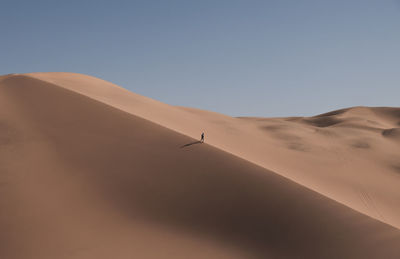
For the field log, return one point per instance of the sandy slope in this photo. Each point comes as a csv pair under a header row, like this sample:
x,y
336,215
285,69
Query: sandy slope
x,y
351,155
90,170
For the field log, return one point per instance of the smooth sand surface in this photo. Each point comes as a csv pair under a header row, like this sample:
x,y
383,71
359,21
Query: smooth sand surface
x,y
91,170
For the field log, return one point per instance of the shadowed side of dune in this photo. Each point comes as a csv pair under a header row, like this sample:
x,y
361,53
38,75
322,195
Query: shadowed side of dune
x,y
322,122
391,112
393,133
139,169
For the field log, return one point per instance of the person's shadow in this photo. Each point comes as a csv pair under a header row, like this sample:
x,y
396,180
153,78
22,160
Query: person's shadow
x,y
192,143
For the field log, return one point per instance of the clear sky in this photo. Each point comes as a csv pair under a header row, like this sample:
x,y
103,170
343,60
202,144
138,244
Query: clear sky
x,y
241,58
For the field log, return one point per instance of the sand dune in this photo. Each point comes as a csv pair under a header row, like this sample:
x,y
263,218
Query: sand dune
x,y
344,150
91,170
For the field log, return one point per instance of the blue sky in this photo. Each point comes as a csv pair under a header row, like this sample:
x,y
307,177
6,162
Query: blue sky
x,y
241,58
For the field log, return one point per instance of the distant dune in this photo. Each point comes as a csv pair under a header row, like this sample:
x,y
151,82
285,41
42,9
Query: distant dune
x,y
91,170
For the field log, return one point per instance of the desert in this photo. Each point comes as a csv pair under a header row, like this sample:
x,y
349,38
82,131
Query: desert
x,y
89,169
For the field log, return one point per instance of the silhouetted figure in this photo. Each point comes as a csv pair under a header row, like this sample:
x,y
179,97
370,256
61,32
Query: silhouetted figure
x,y
202,137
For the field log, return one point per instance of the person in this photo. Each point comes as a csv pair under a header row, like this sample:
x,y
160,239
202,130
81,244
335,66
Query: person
x,y
202,137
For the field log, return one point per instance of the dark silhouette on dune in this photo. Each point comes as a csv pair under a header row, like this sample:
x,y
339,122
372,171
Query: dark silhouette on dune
x,y
192,143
